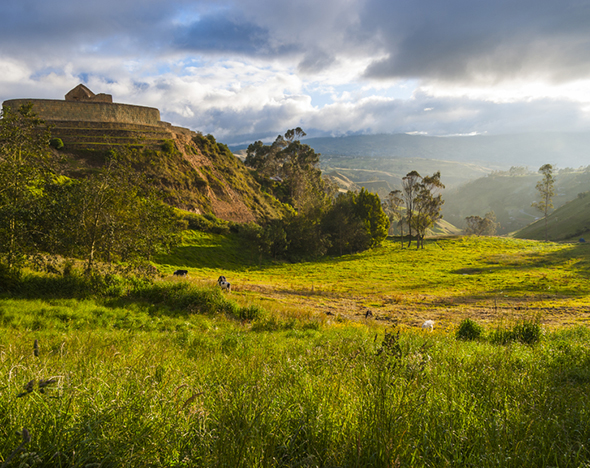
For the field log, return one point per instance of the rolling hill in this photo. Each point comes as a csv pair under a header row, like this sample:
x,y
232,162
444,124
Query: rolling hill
x,y
510,195
570,222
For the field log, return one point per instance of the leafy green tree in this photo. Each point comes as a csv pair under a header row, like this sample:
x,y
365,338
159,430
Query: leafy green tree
x,y
369,209
343,226
409,192
272,239
108,216
546,190
24,166
304,237
293,167
477,226
394,209
427,206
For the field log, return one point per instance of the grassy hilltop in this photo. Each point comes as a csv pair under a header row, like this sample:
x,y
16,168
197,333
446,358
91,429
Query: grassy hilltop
x,y
287,371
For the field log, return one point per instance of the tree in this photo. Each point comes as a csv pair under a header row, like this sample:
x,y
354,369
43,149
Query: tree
x,y
478,226
24,166
370,211
410,188
343,226
427,206
546,190
394,209
108,216
293,167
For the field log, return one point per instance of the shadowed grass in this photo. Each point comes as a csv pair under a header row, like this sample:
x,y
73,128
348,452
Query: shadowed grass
x,y
214,394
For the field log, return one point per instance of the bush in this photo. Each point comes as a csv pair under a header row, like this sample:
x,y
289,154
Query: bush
x,y
469,330
526,331
169,147
56,143
10,279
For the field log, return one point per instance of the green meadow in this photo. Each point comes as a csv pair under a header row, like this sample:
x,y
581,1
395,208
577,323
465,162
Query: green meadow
x,y
289,370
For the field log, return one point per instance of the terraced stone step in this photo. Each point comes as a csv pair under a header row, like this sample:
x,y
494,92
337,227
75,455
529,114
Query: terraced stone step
x,y
63,124
70,133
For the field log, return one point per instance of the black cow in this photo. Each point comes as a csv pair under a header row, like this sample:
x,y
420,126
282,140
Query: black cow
x,y
180,273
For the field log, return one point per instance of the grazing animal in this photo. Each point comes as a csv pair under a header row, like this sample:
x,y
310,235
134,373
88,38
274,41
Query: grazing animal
x,y
428,325
180,273
223,284
368,313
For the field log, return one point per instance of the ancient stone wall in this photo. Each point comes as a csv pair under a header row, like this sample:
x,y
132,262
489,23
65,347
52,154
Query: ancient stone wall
x,y
84,111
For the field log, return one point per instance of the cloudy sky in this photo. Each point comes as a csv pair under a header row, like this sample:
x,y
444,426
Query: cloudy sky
x,y
251,69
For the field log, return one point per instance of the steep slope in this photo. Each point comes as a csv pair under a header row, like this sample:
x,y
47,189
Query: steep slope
x,y
192,172
569,222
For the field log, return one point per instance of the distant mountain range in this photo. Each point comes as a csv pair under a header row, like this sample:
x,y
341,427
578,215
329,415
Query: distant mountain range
x,y
527,149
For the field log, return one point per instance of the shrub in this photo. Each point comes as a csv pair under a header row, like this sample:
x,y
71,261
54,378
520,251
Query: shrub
x,y
528,331
469,330
10,278
206,223
56,143
168,147
525,331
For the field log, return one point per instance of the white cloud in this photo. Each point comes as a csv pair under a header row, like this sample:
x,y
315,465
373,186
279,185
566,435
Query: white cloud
x,y
255,68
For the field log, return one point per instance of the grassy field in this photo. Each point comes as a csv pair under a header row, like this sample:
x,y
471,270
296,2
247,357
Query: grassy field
x,y
177,373
449,280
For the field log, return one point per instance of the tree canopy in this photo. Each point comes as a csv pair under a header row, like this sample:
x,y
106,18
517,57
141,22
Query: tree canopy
x,y
292,168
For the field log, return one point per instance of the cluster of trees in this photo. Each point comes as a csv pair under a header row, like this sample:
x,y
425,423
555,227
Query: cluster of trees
x,y
478,226
109,215
319,220
416,206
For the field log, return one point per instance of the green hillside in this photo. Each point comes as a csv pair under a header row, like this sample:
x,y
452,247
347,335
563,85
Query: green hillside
x,y
289,369
569,222
510,195
192,171
364,170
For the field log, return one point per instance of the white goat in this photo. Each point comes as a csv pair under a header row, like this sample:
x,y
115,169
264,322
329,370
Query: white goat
x,y
428,325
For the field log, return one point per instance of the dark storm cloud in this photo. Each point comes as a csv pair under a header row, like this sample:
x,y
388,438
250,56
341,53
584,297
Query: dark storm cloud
x,y
460,40
217,33
64,28
315,61
260,66
221,34
467,40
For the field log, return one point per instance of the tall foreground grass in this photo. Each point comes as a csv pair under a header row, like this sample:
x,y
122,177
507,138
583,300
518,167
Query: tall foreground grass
x,y
130,373
205,390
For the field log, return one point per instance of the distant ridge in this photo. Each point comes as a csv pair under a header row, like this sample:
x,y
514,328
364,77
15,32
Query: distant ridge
x,y
526,149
